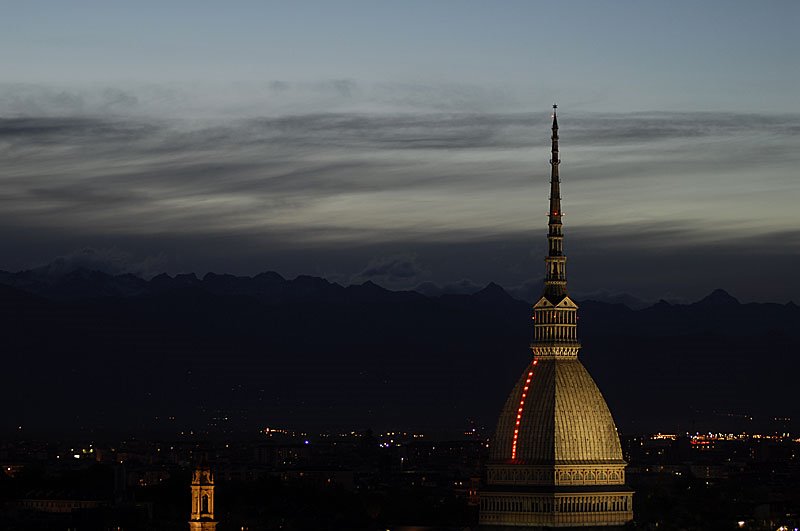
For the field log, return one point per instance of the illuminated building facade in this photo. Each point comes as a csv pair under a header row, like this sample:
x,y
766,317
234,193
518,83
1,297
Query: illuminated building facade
x,y
555,459
202,517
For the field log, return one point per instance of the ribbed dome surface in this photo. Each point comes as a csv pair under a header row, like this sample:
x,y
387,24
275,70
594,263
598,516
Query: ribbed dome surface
x,y
564,419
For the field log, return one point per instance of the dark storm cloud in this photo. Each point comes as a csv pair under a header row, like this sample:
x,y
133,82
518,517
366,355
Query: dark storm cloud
x,y
649,127
124,158
111,261
391,132
277,155
402,180
664,236
72,131
93,163
391,269
441,131
289,138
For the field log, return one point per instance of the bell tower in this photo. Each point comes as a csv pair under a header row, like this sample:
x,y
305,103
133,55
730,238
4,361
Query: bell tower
x,y
202,517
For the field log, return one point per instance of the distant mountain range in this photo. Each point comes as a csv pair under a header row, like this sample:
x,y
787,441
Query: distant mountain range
x,y
90,353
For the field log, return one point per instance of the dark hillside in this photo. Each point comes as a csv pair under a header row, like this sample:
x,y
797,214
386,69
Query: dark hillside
x,y
94,353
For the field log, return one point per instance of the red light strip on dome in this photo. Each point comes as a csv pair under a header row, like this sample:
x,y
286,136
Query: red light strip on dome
x,y
520,409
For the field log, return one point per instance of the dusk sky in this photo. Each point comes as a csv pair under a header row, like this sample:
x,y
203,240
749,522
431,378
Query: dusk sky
x,y
406,142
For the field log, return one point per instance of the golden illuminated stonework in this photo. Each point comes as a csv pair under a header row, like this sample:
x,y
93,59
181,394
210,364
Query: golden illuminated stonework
x,y
555,459
202,516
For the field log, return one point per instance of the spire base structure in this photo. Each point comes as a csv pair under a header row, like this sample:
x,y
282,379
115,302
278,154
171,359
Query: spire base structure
x,y
555,315
555,459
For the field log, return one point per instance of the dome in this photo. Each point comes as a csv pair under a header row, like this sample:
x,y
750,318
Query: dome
x,y
563,419
555,459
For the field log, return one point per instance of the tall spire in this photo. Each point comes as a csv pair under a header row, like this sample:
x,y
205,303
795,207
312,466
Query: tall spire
x,y
555,333
555,190
556,275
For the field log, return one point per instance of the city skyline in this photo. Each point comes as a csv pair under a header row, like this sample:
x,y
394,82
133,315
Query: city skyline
x,y
286,265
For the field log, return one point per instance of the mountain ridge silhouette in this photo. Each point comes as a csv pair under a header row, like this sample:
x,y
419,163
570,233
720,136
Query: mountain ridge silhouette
x,y
95,354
